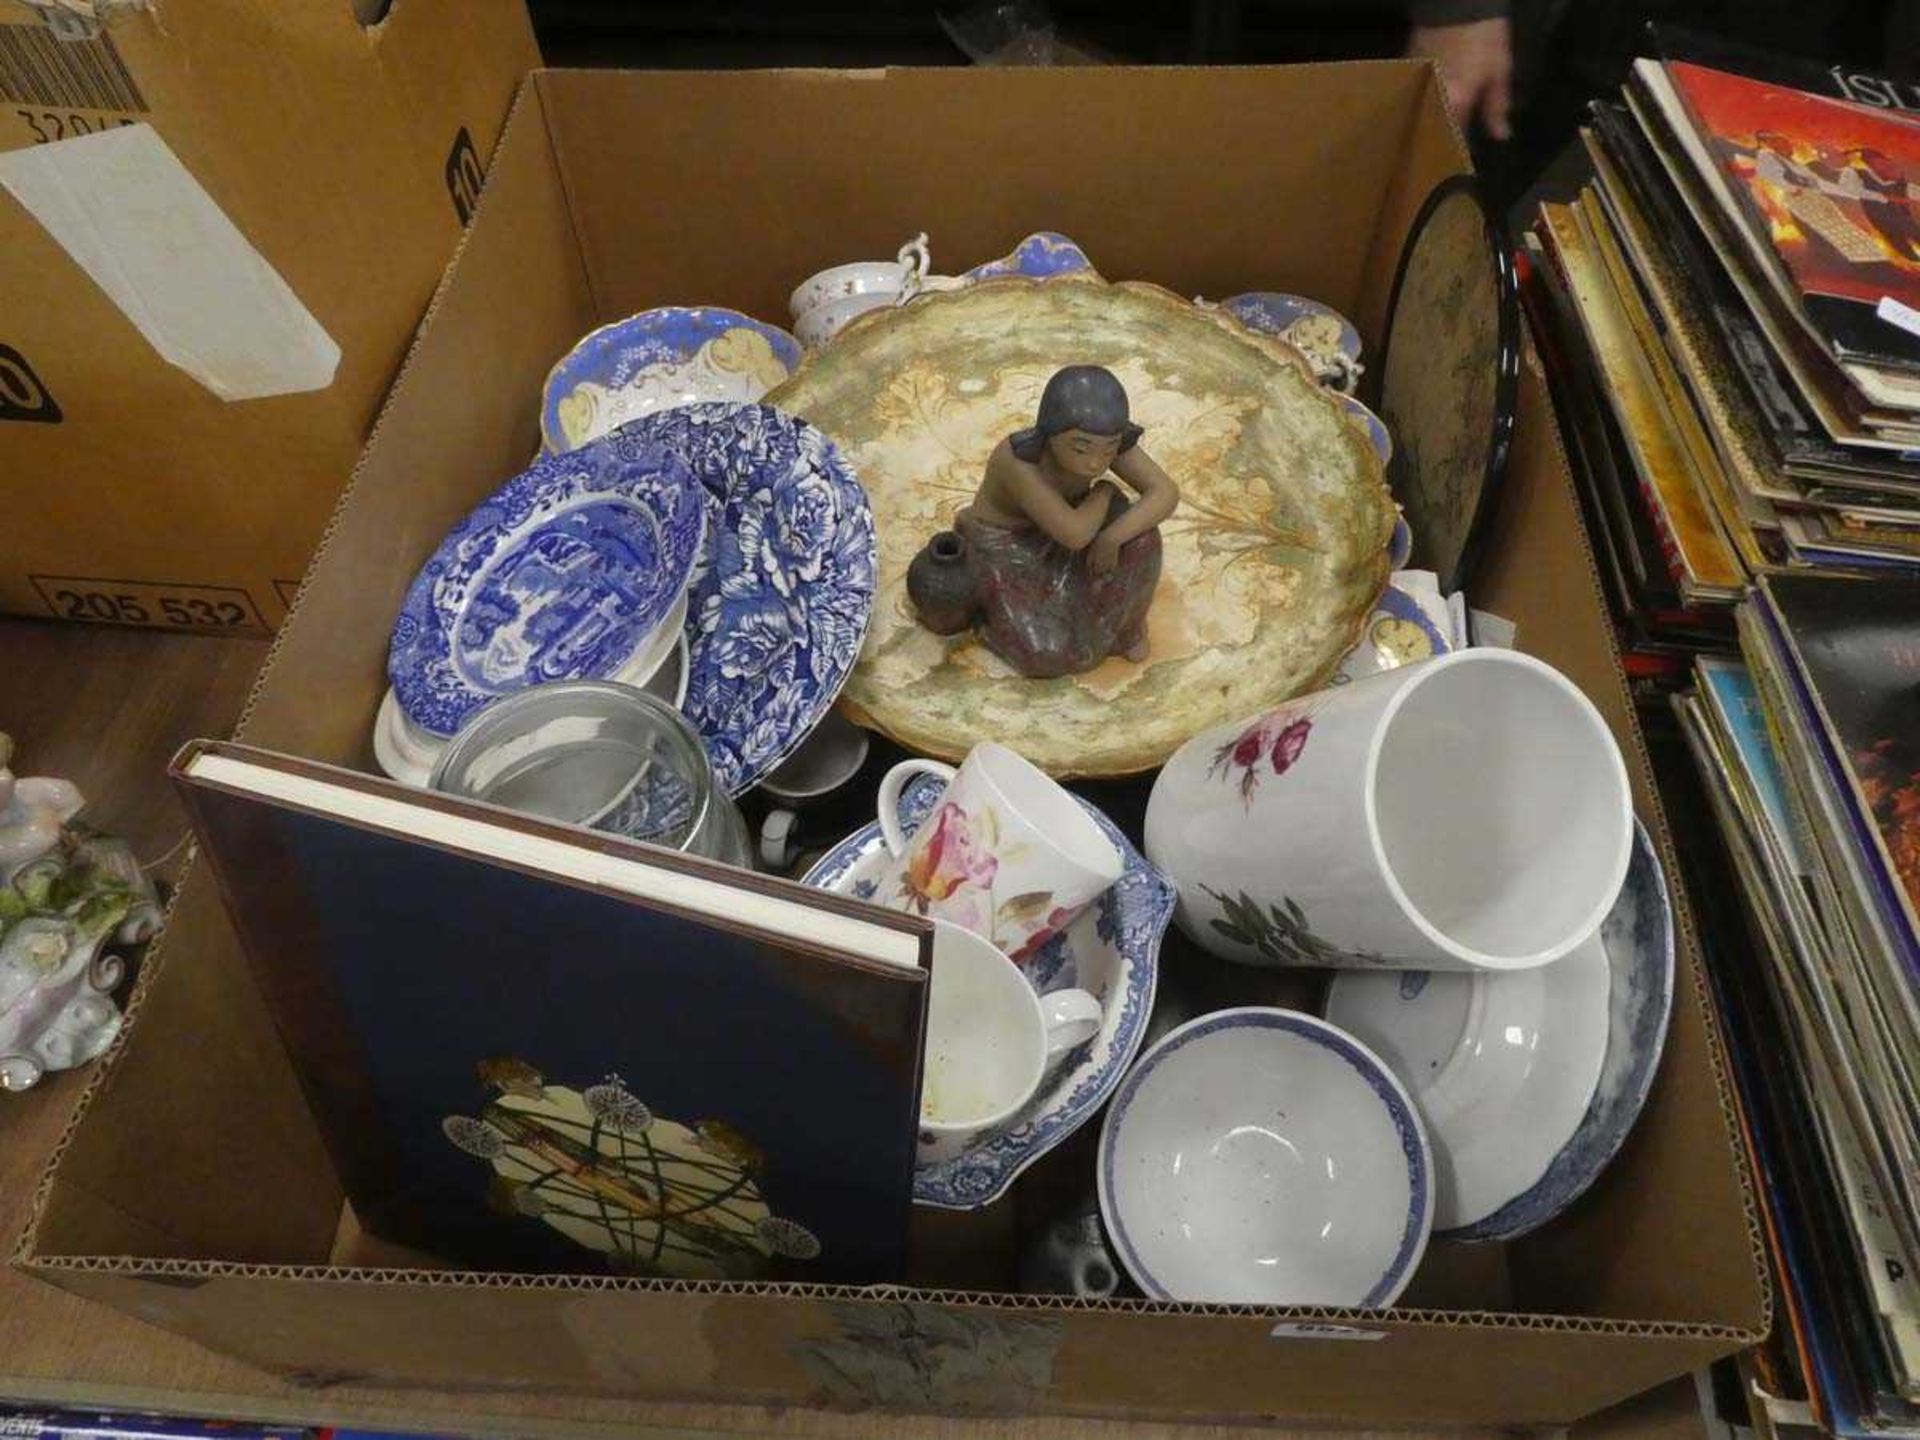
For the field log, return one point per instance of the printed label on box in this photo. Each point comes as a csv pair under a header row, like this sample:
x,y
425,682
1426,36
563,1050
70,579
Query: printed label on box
x,y
150,602
1314,1330
465,175
23,395
41,70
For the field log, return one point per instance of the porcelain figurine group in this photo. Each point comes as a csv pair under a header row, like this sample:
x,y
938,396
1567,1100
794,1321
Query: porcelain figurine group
x,y
1053,562
64,893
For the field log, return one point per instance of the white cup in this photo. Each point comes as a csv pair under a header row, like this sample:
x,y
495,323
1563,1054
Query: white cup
x,y
826,320
1466,813
1005,851
886,279
989,1040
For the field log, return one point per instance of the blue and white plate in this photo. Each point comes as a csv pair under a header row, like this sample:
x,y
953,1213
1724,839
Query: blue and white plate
x,y
1040,255
1638,938
563,573
1113,951
778,604
675,355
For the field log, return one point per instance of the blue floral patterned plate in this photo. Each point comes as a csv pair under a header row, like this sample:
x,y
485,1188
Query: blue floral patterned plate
x,y
778,605
1040,255
561,574
676,355
1113,950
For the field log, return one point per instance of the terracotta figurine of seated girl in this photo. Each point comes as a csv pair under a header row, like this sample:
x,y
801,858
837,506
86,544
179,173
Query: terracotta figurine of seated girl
x,y
1052,560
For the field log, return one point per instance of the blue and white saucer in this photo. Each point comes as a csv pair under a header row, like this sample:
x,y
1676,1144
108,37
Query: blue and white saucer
x,y
567,572
1039,256
675,355
779,601
1638,938
1572,1048
1112,950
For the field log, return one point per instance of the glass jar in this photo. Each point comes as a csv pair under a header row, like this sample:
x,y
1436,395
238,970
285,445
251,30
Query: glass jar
x,y
598,754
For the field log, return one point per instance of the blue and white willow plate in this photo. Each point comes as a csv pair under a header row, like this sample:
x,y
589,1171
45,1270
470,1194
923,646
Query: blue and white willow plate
x,y
1638,938
675,355
563,573
778,605
1113,950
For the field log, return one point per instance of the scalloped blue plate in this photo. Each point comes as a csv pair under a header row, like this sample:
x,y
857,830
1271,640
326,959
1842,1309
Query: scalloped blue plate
x,y
1040,255
563,573
674,355
1113,950
1638,938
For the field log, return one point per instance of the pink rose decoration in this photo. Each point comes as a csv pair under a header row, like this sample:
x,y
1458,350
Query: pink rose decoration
x,y
1289,743
950,858
1246,750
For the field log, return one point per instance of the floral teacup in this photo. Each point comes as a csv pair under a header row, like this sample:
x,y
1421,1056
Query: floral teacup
x,y
1006,853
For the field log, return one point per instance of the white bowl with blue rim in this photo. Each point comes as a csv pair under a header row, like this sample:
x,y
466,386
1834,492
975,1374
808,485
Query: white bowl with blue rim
x,y
575,569
1111,951
779,600
1529,1089
672,355
1263,1157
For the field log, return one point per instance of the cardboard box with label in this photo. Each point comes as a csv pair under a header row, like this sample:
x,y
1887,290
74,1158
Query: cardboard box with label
x,y
194,1191
222,220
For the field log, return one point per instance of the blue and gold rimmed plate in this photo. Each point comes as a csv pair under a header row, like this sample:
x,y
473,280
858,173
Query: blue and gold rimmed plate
x,y
675,355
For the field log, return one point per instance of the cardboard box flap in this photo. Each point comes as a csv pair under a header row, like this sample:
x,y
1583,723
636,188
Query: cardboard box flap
x,y
886,153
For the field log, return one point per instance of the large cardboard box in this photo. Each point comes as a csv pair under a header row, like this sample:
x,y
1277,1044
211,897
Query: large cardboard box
x,y
222,221
194,1192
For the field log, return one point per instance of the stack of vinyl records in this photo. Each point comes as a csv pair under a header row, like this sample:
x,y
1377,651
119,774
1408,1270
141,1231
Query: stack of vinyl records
x,y
1730,313
1809,748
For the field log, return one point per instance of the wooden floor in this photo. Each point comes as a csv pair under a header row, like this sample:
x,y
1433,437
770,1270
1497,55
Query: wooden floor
x,y
107,708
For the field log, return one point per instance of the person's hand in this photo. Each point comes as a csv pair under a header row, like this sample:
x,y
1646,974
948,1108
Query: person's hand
x,y
1476,65
1104,555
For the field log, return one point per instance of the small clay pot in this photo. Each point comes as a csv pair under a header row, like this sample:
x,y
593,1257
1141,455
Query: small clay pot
x,y
940,584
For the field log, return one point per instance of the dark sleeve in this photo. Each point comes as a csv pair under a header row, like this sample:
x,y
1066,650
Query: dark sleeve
x,y
1453,12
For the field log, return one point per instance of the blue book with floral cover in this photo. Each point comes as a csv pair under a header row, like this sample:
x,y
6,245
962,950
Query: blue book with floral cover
x,y
535,1047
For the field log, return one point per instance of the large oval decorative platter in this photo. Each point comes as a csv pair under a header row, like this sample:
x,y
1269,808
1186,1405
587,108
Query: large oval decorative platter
x,y
1272,564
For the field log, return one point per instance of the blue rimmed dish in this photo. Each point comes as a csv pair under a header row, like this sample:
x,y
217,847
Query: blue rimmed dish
x,y
1637,936
673,355
1262,1157
1528,1081
1041,255
570,571
1112,951
1377,436
778,603
1319,332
